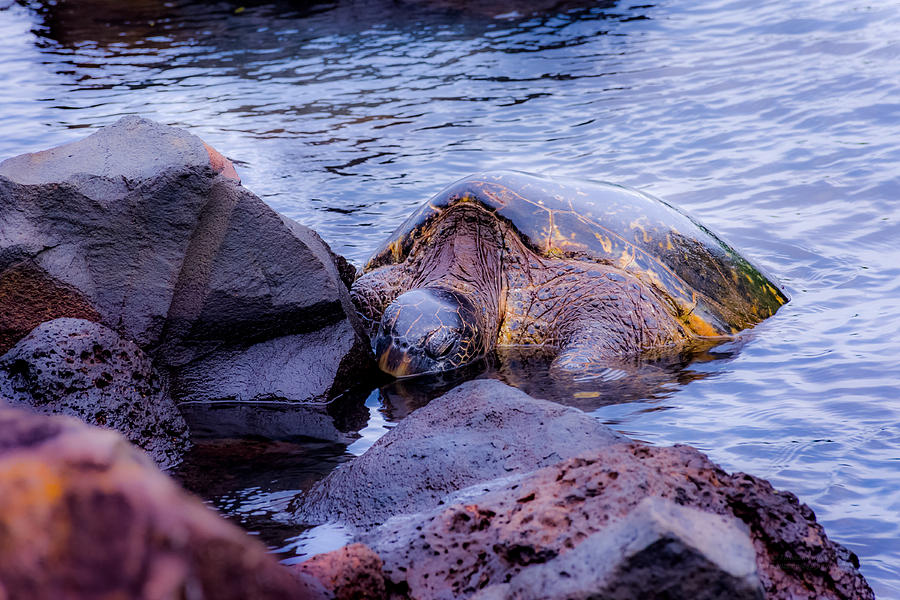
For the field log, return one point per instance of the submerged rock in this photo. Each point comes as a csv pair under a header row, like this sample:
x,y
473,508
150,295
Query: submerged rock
x,y
84,515
479,431
135,228
83,369
627,521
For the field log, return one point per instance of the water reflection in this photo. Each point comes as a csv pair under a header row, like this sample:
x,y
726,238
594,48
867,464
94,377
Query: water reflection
x,y
361,97
258,24
338,421
650,377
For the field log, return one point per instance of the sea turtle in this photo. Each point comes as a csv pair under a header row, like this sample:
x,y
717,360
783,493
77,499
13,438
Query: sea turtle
x,y
594,269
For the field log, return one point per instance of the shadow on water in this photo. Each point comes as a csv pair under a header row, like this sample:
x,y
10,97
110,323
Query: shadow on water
x,y
252,480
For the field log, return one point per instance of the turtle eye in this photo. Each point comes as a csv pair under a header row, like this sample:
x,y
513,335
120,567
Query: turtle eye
x,y
440,342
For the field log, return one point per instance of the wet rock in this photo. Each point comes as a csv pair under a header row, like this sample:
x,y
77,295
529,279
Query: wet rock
x,y
477,432
83,369
84,515
133,227
526,535
349,573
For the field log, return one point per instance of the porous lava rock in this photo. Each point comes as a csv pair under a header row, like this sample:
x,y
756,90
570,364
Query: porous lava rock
x,y
83,369
144,228
85,515
479,431
353,572
523,537
658,550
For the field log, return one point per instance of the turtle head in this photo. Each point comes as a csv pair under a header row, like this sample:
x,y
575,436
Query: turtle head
x,y
428,331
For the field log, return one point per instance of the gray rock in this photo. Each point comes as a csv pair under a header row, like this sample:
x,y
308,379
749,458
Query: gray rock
x,y
479,431
660,549
83,369
103,164
133,227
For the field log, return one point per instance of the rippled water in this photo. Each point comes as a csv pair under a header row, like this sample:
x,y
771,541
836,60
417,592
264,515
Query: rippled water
x,y
776,124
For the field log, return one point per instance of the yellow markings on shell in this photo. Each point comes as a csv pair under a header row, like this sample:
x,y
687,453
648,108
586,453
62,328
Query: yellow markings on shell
x,y
644,235
555,252
700,326
626,258
586,395
396,250
772,291
669,245
605,242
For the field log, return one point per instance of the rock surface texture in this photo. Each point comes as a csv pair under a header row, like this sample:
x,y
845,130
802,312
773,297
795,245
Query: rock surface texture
x,y
83,369
658,550
353,572
144,228
628,521
83,515
477,432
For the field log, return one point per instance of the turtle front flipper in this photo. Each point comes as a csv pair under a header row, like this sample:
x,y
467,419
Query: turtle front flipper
x,y
599,314
595,347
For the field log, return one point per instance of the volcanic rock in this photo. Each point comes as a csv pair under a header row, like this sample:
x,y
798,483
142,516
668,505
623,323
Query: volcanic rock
x,y
349,573
621,522
83,369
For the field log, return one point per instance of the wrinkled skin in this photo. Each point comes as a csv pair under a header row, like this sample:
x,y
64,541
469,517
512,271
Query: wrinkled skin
x,y
470,284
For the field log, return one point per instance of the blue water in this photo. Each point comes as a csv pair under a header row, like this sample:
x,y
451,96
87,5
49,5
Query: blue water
x,y
776,124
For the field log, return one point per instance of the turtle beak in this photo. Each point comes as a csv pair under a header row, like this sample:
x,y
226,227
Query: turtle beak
x,y
394,361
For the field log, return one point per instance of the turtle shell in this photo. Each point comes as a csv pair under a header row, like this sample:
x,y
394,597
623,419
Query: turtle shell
x,y
709,287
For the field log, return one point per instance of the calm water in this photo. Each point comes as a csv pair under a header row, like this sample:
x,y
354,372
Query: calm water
x,y
776,124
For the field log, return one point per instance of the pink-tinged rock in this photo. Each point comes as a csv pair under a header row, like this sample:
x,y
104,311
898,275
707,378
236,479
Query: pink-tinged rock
x,y
349,573
131,149
29,296
537,536
86,516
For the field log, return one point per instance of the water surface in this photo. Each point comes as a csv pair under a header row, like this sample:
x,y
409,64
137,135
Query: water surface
x,y
775,124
